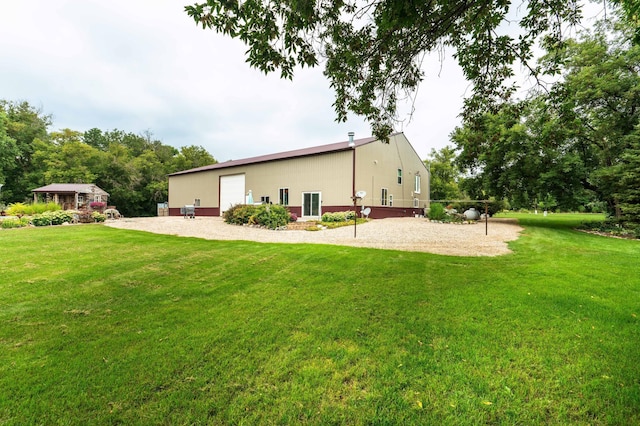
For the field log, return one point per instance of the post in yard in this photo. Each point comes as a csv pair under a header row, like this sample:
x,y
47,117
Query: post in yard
x,y
486,217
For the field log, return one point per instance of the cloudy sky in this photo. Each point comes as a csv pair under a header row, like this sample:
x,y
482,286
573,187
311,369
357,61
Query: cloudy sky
x,y
145,65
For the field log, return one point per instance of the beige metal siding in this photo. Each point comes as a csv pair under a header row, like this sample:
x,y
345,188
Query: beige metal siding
x,y
376,168
184,189
329,173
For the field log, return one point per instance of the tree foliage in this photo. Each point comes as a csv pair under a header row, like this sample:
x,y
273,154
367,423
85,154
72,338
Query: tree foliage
x,y
132,168
373,50
566,146
631,10
628,193
21,127
8,148
444,174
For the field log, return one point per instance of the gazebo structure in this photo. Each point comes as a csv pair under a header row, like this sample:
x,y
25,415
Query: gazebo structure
x,y
71,196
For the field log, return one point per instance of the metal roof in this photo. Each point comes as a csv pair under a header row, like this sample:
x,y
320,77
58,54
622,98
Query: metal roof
x,y
80,188
315,150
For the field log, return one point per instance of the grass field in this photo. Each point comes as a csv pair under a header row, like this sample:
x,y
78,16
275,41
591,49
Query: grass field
x,y
106,326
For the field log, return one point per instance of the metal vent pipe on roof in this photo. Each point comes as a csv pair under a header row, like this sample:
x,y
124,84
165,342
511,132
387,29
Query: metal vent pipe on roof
x,y
351,142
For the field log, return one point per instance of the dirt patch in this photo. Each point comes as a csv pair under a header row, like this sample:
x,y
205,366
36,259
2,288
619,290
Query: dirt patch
x,y
407,234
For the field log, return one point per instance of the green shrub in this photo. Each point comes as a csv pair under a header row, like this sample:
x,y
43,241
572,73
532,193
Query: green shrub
x,y
333,217
41,220
239,214
22,209
17,209
338,216
270,216
61,216
36,208
613,227
39,208
436,212
98,217
267,215
15,223
53,207
52,218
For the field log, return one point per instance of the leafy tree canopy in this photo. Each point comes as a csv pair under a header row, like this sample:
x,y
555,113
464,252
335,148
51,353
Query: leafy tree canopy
x,y
21,126
132,168
632,11
629,172
571,145
444,174
372,50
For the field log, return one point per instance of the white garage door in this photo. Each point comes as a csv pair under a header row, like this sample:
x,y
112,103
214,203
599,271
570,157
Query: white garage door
x,y
231,191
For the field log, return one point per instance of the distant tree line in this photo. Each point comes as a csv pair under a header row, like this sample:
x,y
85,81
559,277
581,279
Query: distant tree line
x,y
132,168
574,146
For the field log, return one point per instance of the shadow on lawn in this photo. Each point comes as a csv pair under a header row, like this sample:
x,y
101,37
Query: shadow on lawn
x,y
595,224
559,221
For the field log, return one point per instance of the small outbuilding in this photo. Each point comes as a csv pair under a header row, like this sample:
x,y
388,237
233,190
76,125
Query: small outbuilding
x,y
389,178
71,196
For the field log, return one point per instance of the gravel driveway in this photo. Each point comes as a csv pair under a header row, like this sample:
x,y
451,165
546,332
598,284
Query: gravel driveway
x,y
408,234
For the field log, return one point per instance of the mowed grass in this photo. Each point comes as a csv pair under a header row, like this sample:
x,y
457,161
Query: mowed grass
x,y
106,326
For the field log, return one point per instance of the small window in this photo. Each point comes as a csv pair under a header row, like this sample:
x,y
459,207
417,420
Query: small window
x,y
399,176
384,197
416,203
196,202
265,199
283,196
416,186
390,200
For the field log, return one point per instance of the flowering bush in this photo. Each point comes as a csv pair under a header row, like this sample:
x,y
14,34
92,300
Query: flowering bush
x,y
97,205
293,217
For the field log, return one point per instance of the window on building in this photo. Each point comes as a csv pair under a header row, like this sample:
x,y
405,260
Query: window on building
x,y
81,199
384,197
416,202
390,200
416,186
265,199
196,202
399,176
283,196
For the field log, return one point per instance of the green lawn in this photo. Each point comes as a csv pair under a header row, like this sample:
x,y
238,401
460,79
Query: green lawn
x,y
106,326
